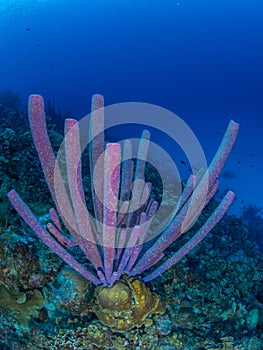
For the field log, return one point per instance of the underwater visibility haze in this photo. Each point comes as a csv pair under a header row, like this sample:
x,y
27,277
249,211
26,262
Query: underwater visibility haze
x,y
131,212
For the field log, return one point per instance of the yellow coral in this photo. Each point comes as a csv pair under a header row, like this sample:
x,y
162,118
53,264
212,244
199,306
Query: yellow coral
x,y
127,304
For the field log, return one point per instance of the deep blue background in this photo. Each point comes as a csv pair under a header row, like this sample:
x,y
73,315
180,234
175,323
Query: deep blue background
x,y
202,59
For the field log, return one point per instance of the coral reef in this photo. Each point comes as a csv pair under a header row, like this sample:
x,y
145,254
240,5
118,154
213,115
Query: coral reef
x,y
19,267
252,216
23,306
73,292
127,304
213,296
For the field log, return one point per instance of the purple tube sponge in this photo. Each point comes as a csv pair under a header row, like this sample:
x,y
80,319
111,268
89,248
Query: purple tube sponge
x,y
113,239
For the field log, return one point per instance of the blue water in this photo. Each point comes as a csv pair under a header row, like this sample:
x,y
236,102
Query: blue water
x,y
200,59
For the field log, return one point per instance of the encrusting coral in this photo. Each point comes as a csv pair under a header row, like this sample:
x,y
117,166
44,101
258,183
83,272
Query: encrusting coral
x,y
24,306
